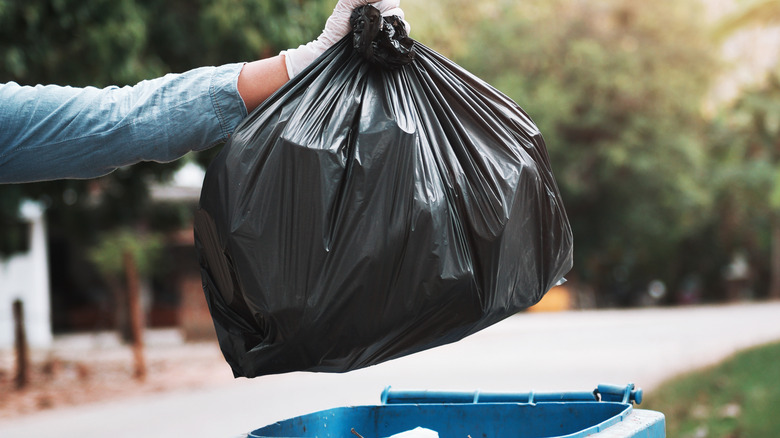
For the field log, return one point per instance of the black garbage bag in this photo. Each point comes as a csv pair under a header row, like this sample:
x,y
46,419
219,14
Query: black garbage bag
x,y
366,212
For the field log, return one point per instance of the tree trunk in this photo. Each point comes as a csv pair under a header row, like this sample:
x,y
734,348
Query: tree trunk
x,y
136,315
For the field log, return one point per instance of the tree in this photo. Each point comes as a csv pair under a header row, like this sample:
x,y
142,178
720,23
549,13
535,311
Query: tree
x,y
756,116
617,95
749,180
447,25
126,254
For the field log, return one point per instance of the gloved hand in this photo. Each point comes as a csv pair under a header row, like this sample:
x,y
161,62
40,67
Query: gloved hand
x,y
336,28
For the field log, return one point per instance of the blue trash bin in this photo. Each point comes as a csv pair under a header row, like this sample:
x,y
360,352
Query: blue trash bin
x,y
606,412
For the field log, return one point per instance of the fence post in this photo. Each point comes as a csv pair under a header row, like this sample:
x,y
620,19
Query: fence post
x,y
22,352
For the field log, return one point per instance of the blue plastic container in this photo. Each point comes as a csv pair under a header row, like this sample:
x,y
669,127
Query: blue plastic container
x,y
606,412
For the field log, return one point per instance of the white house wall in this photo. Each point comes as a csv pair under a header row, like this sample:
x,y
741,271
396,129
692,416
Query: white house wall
x,y
26,277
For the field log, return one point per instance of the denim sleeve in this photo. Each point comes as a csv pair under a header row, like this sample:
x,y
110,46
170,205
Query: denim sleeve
x,y
53,132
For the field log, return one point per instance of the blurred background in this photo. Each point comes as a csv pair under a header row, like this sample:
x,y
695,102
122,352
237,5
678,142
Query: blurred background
x,y
662,121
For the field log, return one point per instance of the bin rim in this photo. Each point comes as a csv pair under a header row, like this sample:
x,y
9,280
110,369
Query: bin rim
x,y
603,393
620,397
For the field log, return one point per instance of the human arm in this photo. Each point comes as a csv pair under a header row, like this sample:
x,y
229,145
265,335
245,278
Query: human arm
x,y
51,132
258,80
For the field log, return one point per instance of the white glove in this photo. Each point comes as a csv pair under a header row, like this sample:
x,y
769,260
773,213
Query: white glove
x,y
336,28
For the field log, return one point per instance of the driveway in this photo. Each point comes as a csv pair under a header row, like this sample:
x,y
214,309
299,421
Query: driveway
x,y
531,351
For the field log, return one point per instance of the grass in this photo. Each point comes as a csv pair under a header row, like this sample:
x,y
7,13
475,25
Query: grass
x,y
738,398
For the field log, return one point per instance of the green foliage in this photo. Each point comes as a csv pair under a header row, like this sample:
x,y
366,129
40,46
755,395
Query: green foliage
x,y
746,146
446,26
97,42
756,116
189,34
103,42
617,96
109,254
737,398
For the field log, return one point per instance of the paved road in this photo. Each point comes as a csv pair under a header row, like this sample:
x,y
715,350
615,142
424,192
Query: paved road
x,y
542,352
